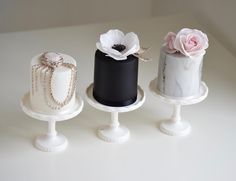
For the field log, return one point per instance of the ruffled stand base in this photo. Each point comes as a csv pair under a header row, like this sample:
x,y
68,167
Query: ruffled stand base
x,y
51,141
176,126
114,132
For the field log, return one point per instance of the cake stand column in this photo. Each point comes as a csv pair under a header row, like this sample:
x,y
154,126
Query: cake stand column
x,y
52,129
114,120
51,141
176,117
114,132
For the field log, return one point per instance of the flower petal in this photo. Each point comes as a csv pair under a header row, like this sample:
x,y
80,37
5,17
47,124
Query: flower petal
x,y
132,50
111,37
185,31
117,57
168,50
107,50
169,42
197,53
130,40
179,44
112,51
169,35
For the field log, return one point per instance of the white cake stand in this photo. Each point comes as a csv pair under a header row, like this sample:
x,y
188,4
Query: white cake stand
x,y
113,132
51,141
175,126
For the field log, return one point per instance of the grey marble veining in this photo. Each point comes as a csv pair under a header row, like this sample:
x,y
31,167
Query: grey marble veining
x,y
179,76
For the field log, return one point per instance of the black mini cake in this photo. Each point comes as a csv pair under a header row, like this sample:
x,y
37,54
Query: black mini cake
x,y
116,68
115,82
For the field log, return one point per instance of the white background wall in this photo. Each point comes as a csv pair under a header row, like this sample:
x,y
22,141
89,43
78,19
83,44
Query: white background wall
x,y
16,15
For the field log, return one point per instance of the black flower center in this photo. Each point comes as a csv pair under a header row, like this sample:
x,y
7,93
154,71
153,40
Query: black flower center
x,y
119,47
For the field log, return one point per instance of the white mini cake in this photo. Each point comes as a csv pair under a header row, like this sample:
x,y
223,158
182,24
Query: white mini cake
x,y
53,83
180,64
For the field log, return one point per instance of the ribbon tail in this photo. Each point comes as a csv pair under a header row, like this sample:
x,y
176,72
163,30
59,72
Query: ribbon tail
x,y
144,59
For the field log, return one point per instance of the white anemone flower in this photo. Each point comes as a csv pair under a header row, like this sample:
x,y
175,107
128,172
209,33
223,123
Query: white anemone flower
x,y
117,45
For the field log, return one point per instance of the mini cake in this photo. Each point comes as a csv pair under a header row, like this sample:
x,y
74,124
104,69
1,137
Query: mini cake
x,y
116,69
180,63
53,83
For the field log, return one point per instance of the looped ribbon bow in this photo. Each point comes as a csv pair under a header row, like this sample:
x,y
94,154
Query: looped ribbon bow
x,y
140,53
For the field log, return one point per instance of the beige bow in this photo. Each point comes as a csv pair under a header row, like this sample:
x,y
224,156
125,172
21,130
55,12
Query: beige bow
x,y
140,53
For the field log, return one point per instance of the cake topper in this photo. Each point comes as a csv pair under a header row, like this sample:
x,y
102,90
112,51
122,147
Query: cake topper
x,y
119,46
52,59
189,42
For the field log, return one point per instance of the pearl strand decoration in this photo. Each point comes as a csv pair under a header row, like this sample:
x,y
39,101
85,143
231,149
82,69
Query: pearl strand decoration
x,y
48,68
72,85
33,71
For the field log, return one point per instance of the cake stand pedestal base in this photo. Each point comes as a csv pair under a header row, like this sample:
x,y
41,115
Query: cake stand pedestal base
x,y
175,126
115,135
48,144
51,141
114,132
175,129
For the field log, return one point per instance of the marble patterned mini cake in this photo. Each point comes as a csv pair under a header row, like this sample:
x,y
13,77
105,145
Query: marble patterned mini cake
x,y
180,63
53,83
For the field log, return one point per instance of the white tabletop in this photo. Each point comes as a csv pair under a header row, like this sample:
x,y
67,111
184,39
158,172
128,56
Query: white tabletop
x,y
208,153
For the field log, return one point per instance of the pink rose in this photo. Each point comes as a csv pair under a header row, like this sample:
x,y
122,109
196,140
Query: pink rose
x,y
191,42
169,42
